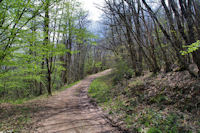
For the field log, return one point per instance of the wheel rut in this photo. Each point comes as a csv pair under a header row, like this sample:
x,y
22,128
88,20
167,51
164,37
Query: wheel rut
x,y
71,111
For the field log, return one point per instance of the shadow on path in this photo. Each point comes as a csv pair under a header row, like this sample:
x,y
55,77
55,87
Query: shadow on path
x,y
72,111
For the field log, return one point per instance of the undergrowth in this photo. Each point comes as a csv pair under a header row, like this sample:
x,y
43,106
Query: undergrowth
x,y
26,99
140,113
100,89
17,115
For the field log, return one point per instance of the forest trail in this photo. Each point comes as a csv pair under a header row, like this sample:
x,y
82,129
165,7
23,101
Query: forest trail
x,y
71,111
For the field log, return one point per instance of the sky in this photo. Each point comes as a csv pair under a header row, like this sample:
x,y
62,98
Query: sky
x,y
94,12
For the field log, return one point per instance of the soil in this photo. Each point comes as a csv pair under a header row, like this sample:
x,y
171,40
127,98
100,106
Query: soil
x,y
71,111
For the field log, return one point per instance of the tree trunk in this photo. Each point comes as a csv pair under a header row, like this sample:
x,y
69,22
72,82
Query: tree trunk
x,y
46,42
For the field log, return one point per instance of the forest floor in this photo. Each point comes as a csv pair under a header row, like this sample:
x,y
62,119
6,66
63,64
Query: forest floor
x,y
152,103
69,111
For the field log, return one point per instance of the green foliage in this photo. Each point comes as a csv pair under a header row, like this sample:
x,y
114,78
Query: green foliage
x,y
158,98
100,90
122,71
152,120
136,83
69,85
26,99
164,45
92,66
191,48
24,52
154,130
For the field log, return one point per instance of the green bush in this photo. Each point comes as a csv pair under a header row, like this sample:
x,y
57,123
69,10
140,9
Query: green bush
x,y
99,90
122,71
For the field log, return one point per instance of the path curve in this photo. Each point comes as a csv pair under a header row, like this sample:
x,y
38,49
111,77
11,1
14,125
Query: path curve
x,y
71,111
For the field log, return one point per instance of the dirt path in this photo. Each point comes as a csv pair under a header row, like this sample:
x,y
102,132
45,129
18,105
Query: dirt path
x,y
72,112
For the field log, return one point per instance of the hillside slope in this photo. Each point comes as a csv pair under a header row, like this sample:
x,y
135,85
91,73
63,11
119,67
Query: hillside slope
x,y
163,103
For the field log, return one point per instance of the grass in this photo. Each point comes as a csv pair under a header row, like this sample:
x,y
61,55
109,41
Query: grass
x,y
100,89
18,116
22,100
139,113
68,86
136,83
26,99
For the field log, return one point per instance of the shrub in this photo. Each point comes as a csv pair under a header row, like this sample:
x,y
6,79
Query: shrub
x,y
122,71
99,90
